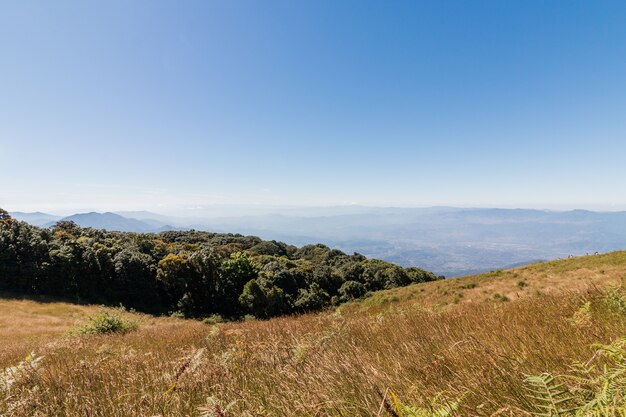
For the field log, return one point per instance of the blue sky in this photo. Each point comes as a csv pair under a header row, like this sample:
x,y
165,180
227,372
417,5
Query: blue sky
x,y
156,105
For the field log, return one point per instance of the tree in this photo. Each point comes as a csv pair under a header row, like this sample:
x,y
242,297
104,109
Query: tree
x,y
419,275
327,278
261,301
205,279
4,215
351,290
197,273
173,273
134,283
236,271
312,298
65,225
378,275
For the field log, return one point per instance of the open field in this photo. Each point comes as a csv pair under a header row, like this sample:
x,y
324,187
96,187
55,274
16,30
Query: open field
x,y
421,341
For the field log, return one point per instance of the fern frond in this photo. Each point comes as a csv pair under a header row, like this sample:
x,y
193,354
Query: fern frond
x,y
547,396
437,407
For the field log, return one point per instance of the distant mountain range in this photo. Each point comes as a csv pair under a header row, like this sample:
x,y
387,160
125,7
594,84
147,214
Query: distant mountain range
x,y
108,221
446,240
37,219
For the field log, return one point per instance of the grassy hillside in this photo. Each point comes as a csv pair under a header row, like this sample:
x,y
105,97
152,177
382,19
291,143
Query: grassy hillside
x,y
564,275
394,353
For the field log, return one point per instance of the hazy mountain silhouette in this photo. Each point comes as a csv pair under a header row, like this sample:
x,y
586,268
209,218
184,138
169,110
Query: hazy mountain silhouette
x,y
37,219
115,222
446,240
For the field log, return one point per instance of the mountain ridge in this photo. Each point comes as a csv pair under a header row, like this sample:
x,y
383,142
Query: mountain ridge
x,y
447,240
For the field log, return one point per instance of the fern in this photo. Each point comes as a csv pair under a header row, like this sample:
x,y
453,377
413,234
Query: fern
x,y
603,389
615,299
436,408
547,396
214,408
595,391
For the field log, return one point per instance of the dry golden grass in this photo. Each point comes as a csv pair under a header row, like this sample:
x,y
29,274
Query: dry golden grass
x,y
332,363
26,324
575,274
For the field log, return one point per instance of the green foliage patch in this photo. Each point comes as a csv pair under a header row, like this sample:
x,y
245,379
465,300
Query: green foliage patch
x,y
106,323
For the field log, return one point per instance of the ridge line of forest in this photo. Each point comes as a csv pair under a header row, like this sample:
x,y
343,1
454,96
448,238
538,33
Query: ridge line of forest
x,y
190,273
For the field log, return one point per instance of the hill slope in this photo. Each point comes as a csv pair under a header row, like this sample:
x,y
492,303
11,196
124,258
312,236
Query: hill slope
x,y
474,354
554,277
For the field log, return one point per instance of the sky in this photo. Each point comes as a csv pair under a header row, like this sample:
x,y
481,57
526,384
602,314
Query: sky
x,y
158,105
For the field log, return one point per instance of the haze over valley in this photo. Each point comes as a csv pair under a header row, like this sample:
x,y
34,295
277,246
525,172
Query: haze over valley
x,y
448,241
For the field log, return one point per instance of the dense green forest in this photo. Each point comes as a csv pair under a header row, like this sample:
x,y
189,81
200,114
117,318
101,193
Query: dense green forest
x,y
192,273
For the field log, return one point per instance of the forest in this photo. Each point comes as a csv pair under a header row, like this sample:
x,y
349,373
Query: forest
x,y
187,273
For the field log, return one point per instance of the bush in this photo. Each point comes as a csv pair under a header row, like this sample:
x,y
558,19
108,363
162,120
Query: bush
x,y
106,323
500,297
249,317
213,319
177,314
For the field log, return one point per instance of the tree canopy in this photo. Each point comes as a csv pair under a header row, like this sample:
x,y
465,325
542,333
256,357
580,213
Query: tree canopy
x,y
192,273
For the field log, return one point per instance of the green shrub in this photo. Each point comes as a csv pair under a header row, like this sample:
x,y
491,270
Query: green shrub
x,y
522,284
500,297
213,319
106,323
457,298
249,317
177,314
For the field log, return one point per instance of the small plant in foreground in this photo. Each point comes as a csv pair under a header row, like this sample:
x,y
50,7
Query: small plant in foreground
x,y
215,409
615,300
436,407
583,317
106,323
11,375
549,397
594,389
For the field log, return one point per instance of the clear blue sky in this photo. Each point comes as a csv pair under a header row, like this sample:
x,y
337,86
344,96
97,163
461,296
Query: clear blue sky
x,y
148,104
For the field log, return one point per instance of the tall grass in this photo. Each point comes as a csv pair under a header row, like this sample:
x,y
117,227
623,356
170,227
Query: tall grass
x,y
475,356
